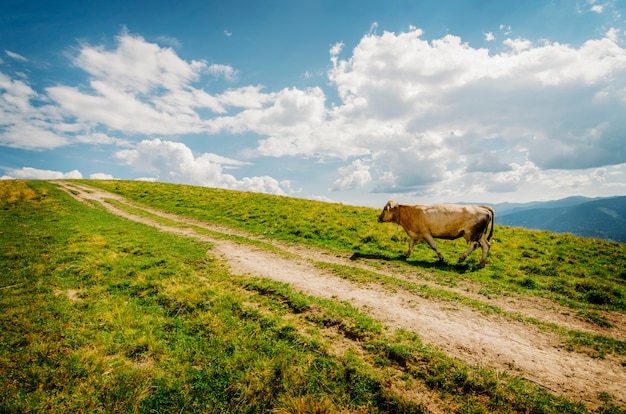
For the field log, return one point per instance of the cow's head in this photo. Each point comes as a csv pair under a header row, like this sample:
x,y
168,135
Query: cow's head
x,y
388,212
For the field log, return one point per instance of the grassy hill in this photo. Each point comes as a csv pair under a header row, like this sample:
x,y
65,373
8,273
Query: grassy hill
x,y
517,255
100,314
604,218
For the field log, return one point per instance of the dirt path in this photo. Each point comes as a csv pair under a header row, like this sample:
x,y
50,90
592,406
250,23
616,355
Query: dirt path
x,y
494,341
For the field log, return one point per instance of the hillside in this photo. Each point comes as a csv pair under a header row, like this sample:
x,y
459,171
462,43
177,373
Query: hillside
x,y
151,297
601,218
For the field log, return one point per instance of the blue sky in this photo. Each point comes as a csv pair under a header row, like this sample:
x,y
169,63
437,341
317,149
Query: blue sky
x,y
354,101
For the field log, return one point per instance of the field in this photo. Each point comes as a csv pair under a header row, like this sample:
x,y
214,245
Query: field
x,y
193,299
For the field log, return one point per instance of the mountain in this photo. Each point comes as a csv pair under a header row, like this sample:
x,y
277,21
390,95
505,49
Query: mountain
x,y
509,208
603,218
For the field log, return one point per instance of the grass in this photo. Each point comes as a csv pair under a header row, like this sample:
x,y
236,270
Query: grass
x,y
594,345
579,272
584,274
100,314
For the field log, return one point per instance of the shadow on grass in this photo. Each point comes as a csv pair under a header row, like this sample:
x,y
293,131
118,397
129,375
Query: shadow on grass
x,y
425,264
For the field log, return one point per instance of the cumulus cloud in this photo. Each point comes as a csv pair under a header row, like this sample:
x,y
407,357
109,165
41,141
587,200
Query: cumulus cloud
x,y
175,162
141,87
29,173
354,176
26,120
101,176
454,100
412,114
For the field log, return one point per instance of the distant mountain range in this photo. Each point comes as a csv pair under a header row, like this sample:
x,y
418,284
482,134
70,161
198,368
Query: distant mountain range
x,y
603,218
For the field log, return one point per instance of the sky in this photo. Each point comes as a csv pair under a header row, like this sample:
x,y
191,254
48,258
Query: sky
x,y
349,101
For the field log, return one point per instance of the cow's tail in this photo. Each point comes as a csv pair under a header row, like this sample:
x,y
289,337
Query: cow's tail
x,y
493,219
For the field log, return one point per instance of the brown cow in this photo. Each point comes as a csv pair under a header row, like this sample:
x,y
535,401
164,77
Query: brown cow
x,y
443,221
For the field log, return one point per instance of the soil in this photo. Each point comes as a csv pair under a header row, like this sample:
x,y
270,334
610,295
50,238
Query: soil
x,y
496,341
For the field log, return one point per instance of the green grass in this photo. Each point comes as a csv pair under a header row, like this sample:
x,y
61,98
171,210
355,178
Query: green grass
x,y
595,345
100,314
584,274
578,272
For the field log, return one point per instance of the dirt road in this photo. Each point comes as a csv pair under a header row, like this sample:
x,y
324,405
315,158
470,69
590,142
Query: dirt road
x,y
490,340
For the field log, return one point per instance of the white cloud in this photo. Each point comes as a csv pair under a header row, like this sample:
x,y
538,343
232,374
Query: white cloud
x,y
29,173
16,96
598,175
355,176
223,70
138,66
143,88
99,138
174,162
31,136
373,28
101,176
169,40
15,56
612,34
247,97
425,114
523,96
289,122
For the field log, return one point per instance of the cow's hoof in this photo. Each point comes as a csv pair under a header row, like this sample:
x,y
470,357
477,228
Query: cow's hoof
x,y
481,265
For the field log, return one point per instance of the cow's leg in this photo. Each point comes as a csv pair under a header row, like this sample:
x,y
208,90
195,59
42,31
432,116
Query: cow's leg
x,y
411,244
433,245
473,245
484,243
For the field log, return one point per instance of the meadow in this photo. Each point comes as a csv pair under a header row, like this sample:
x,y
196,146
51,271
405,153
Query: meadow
x,y
100,314
584,273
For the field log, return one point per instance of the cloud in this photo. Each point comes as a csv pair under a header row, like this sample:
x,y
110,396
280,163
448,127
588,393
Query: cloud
x,y
452,100
15,56
27,120
138,66
488,163
101,176
99,138
174,162
597,8
169,40
373,28
225,71
29,173
355,176
141,87
506,29
410,115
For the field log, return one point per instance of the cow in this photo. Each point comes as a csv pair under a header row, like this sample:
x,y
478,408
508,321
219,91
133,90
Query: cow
x,y
443,221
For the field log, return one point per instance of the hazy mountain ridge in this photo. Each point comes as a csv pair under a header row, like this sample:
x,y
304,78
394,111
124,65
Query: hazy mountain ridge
x,y
603,218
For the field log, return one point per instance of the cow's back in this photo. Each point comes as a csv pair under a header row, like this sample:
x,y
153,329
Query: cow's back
x,y
451,221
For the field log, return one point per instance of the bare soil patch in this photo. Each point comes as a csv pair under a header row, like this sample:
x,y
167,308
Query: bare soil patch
x,y
490,340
